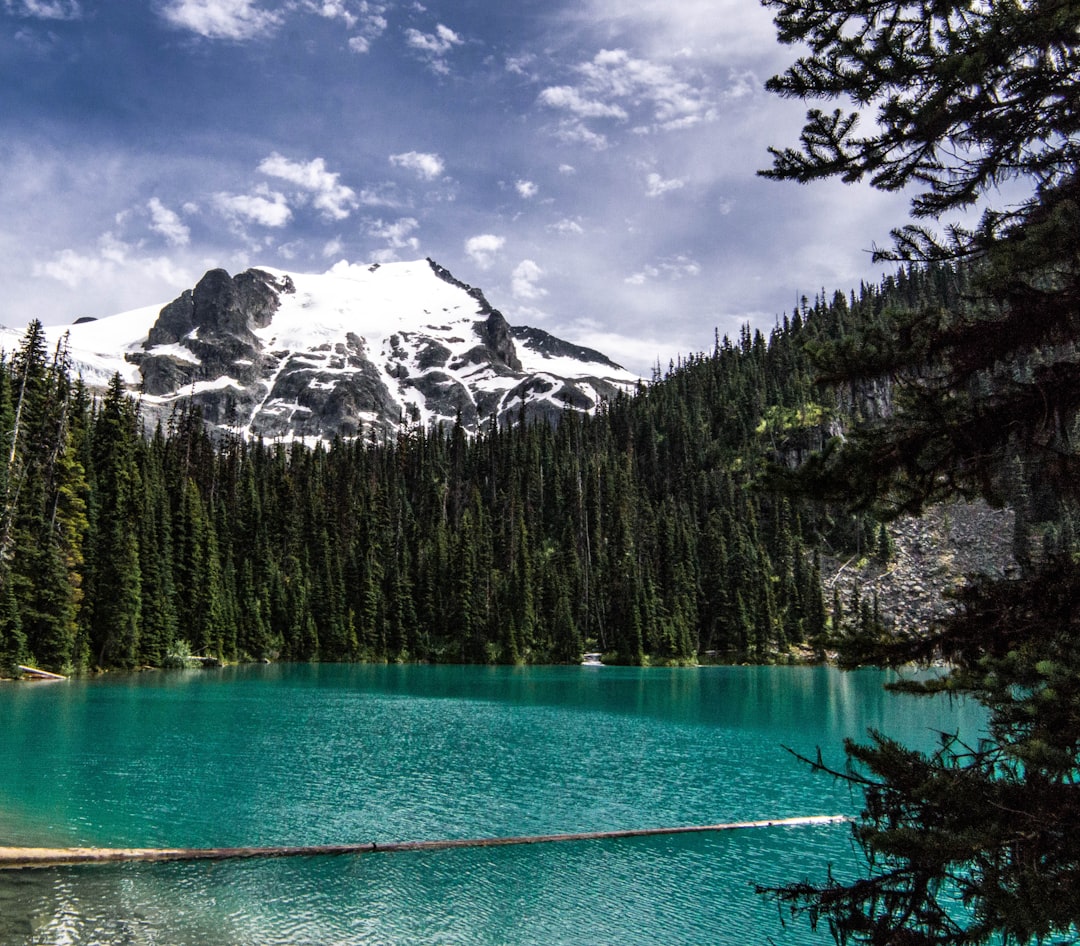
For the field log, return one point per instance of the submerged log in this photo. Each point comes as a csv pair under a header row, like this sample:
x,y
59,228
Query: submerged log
x,y
16,857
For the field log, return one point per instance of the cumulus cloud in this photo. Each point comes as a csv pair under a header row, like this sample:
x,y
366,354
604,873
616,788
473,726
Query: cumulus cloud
x,y
566,226
113,259
672,268
520,65
655,185
483,249
45,9
221,19
526,189
615,85
334,200
369,22
333,10
379,195
73,269
168,223
574,131
426,166
433,47
245,19
266,208
572,100
398,234
523,281
723,30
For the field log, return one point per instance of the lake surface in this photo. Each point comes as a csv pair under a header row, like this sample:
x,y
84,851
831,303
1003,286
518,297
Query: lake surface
x,y
327,754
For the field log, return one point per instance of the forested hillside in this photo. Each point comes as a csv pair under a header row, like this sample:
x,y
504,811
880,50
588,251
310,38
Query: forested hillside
x,y
640,532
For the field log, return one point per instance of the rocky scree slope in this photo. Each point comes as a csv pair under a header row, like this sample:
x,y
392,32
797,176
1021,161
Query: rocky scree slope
x,y
933,554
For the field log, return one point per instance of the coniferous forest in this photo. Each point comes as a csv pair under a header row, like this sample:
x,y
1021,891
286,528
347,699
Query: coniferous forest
x,y
641,532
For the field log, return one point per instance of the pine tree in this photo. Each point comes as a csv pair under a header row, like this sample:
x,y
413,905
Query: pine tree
x,y
972,843
44,513
158,630
116,580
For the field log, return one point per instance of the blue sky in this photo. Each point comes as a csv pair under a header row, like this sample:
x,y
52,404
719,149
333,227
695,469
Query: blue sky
x,y
589,164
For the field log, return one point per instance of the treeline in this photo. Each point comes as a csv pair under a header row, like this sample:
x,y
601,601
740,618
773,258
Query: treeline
x,y
636,532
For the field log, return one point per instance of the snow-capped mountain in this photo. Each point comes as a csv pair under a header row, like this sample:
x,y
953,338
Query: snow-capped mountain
x,y
354,351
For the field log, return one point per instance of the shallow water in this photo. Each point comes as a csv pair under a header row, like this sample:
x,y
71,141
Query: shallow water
x,y
339,754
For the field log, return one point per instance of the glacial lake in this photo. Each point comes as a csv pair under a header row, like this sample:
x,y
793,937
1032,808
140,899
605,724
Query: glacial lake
x,y
330,754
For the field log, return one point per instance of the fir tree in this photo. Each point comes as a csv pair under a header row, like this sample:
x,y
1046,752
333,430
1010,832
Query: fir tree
x,y
115,615
973,843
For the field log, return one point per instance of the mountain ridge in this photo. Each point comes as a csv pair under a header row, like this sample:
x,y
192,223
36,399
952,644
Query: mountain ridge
x,y
360,350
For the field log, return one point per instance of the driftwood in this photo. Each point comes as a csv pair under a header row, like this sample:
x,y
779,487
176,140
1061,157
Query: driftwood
x,y
40,674
15,857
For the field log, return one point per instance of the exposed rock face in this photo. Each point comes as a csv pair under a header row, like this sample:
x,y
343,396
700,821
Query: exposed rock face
x,y
221,305
935,553
212,328
551,347
496,343
358,351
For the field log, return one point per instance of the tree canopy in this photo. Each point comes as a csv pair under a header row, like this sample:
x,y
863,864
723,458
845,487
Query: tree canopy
x,y
632,532
965,102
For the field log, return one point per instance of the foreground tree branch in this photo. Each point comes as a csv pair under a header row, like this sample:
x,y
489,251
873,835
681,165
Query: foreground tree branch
x,y
969,844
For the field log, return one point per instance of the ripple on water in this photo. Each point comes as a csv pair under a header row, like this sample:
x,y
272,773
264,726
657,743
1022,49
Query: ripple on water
x,y
332,755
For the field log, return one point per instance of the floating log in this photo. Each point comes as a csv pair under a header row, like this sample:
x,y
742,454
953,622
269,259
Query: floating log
x,y
40,674
15,857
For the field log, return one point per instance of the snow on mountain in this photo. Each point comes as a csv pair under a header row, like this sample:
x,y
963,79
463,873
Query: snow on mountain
x,y
358,350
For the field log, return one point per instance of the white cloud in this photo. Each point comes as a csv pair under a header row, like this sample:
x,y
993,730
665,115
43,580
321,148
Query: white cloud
x,y
434,46
439,42
482,249
167,222
266,208
45,9
569,99
742,85
370,24
333,10
427,167
381,195
519,65
332,248
221,19
672,268
334,200
566,226
574,131
526,189
616,85
722,30
72,269
523,282
114,259
655,185
396,234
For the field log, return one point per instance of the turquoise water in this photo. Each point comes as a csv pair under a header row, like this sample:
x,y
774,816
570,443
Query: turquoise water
x,y
325,754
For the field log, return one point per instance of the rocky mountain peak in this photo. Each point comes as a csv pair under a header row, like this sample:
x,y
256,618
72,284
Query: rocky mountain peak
x,y
358,350
220,304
